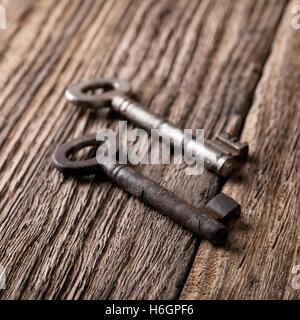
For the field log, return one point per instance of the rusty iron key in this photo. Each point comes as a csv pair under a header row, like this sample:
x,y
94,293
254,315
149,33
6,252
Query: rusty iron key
x,y
206,222
220,155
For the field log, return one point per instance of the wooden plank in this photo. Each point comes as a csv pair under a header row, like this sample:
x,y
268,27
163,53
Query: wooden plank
x,y
195,62
264,245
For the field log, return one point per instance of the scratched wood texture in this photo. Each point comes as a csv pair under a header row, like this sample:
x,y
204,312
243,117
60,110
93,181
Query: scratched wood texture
x,y
195,62
264,245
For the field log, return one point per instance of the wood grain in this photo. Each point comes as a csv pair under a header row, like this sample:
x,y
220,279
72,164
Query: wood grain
x,y
264,244
195,62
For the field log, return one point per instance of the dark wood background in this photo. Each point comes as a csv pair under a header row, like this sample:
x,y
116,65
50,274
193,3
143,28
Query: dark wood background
x,y
214,64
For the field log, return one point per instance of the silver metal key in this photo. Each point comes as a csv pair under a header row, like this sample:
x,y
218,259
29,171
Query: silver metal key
x,y
220,155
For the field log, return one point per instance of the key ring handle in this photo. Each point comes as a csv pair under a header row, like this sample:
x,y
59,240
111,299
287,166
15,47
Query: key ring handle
x,y
78,93
63,163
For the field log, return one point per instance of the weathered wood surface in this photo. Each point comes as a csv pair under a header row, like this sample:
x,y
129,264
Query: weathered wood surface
x,y
195,62
265,244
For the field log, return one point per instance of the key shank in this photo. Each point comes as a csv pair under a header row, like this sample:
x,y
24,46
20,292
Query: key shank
x,y
214,158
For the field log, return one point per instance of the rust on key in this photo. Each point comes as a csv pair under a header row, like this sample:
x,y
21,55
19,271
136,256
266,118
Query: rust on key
x,y
206,221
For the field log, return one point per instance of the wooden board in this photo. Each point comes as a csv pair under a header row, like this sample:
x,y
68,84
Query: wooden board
x,y
195,62
264,245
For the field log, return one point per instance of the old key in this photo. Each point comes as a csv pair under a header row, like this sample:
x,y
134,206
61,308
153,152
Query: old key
x,y
220,155
206,222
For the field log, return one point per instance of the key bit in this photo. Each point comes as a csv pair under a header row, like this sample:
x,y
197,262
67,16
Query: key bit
x,y
235,148
224,207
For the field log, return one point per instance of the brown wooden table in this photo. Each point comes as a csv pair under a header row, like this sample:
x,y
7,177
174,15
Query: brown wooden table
x,y
213,64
